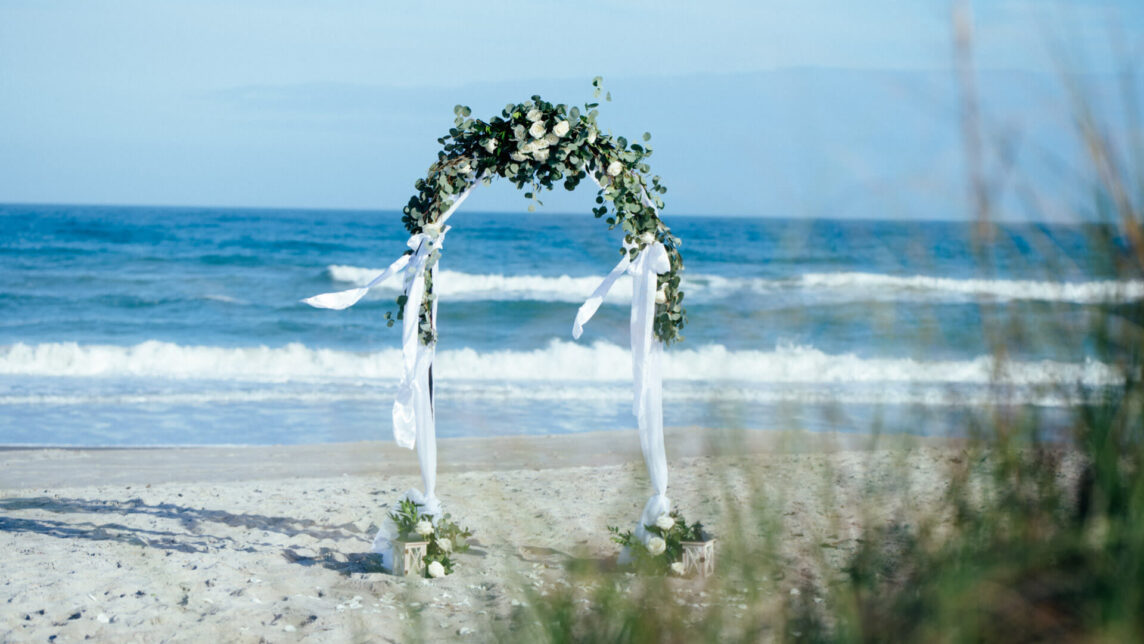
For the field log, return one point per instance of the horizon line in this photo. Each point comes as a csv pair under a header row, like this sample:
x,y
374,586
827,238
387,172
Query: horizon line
x,y
346,209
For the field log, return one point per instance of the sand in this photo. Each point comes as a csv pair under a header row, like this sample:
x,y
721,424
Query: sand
x,y
271,544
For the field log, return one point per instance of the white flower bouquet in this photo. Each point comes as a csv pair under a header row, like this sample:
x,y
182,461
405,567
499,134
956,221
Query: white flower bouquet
x,y
444,536
662,552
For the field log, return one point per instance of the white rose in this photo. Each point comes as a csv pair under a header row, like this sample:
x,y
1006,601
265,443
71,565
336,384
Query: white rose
x,y
615,168
538,129
592,135
528,148
551,138
434,231
661,298
423,527
665,521
491,145
534,115
445,545
464,168
539,144
677,568
540,155
656,545
516,156
518,131
436,570
648,238
561,128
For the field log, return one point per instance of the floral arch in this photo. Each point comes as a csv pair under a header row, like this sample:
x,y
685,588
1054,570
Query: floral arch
x,y
535,145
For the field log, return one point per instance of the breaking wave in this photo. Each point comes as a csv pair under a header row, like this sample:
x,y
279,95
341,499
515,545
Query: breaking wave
x,y
844,286
558,362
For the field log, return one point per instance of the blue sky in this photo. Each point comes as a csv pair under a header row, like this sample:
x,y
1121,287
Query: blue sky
x,y
793,107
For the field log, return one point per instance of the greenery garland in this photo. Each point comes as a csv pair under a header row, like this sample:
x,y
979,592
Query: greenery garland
x,y
538,144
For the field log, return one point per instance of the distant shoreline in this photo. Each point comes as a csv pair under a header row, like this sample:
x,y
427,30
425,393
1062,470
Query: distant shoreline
x,y
48,467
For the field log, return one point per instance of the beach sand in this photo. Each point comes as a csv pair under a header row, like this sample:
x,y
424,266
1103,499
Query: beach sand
x,y
271,544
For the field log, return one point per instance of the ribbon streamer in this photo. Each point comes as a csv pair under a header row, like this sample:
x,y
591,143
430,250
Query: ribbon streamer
x,y
647,374
647,353
345,299
413,421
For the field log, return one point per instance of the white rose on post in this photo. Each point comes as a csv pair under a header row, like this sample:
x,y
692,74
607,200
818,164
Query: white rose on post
x,y
436,570
656,546
537,130
677,568
561,128
433,231
615,168
445,544
490,145
665,521
534,115
423,527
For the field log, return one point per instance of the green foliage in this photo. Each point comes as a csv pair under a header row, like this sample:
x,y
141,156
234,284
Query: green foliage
x,y
445,537
643,560
539,145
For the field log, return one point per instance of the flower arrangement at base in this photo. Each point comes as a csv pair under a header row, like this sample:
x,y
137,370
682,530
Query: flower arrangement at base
x,y
443,535
662,553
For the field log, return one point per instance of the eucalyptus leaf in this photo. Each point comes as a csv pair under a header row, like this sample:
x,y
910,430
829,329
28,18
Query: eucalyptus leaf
x,y
566,161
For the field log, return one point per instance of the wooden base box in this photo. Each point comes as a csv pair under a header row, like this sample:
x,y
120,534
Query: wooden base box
x,y
409,557
699,558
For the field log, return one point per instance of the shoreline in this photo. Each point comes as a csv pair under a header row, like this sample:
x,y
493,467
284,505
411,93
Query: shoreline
x,y
23,467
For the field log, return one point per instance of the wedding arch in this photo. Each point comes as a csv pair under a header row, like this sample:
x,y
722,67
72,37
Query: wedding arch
x,y
537,145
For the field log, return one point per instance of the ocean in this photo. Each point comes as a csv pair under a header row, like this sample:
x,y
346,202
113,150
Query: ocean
x,y
133,326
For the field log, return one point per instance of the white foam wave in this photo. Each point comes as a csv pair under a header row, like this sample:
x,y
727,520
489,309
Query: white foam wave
x,y
225,299
456,286
921,285
844,286
558,362
590,394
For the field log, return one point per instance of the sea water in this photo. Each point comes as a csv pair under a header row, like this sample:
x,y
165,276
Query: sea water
x,y
176,326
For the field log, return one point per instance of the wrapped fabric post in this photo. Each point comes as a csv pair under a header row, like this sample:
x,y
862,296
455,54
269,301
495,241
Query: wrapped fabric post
x,y
647,404
414,424
646,359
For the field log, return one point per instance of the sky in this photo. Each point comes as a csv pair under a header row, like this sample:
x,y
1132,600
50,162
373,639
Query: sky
x,y
760,107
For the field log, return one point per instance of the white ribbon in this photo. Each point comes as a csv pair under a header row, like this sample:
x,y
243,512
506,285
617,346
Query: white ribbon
x,y
345,299
413,421
592,304
647,353
412,409
647,374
